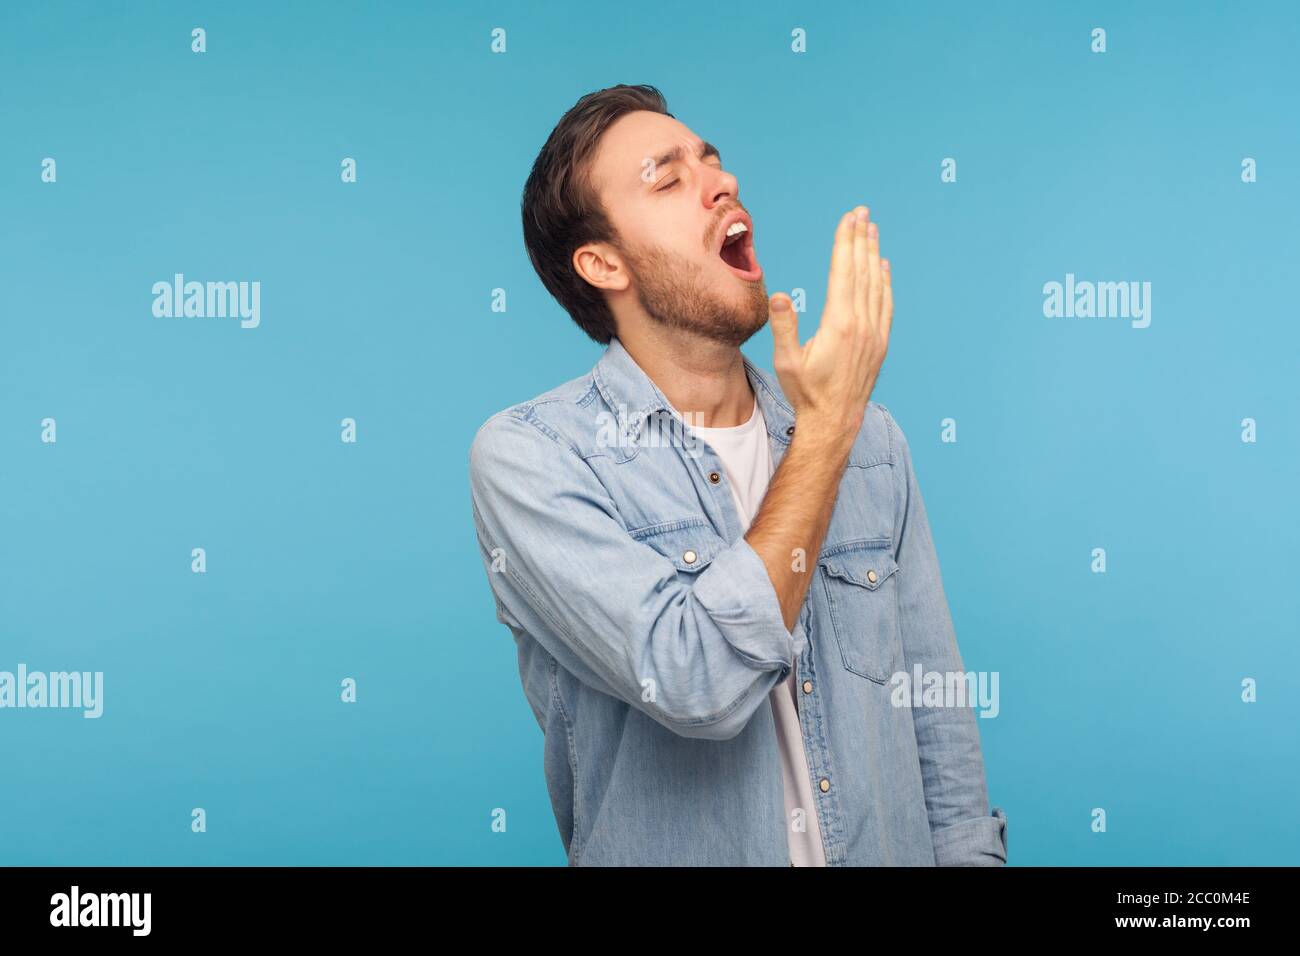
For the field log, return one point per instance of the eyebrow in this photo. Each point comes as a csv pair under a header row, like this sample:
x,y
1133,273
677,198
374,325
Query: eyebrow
x,y
677,154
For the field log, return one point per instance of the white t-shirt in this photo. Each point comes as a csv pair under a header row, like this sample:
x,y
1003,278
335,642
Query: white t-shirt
x,y
747,461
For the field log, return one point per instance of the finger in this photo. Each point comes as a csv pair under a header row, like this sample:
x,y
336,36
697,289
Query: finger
x,y
785,331
860,264
839,286
886,299
876,284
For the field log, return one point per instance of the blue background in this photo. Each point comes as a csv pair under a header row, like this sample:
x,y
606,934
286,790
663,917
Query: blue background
x,y
327,560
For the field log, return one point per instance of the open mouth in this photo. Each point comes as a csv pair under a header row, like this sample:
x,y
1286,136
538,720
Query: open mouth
x,y
738,251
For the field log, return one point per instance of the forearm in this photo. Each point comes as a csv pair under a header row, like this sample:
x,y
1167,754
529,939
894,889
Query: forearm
x,y
791,523
828,381
698,655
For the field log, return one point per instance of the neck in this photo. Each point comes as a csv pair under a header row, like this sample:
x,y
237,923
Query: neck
x,y
698,376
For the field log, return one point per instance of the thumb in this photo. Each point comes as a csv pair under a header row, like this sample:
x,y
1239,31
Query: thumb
x,y
785,330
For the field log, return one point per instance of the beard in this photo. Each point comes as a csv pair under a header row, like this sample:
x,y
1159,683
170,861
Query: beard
x,y
675,294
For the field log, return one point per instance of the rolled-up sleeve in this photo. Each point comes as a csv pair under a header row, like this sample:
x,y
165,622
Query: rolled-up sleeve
x,y
964,830
697,657
978,841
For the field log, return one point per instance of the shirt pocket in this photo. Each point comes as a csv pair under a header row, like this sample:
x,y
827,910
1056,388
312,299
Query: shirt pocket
x,y
690,544
860,581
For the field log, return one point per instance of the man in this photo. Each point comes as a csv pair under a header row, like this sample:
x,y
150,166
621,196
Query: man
x,y
708,624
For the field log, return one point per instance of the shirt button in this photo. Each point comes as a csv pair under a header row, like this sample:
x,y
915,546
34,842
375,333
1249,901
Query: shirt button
x,y
825,785
807,687
689,557
714,477
789,431
871,576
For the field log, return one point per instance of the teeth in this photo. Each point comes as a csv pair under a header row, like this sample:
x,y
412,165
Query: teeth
x,y
736,229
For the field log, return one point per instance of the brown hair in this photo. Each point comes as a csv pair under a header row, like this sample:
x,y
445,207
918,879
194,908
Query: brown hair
x,y
560,207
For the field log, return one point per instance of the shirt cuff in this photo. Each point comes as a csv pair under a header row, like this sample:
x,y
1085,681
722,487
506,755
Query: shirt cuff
x,y
981,841
741,600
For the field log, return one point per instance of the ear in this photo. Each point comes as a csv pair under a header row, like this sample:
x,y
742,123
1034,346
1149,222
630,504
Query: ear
x,y
600,264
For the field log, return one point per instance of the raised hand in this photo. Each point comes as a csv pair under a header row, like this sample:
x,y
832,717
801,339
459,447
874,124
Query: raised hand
x,y
829,379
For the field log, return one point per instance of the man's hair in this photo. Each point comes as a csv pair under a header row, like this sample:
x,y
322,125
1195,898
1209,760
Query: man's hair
x,y
561,209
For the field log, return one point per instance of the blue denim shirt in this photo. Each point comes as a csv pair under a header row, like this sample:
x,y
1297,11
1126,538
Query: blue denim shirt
x,y
649,638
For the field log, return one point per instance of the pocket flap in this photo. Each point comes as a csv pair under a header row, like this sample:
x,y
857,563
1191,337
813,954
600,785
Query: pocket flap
x,y
867,562
690,545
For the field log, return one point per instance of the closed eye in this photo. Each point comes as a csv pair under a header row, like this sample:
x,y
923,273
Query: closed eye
x,y
668,187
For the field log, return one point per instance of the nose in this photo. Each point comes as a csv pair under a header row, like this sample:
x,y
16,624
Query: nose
x,y
720,186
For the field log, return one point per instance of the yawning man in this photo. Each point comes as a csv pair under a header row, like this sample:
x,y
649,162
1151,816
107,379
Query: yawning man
x,y
708,626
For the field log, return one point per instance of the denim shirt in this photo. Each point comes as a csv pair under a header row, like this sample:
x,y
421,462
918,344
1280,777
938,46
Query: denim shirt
x,y
649,637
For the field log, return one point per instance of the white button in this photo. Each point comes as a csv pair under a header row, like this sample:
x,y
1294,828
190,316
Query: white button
x,y
871,576
689,557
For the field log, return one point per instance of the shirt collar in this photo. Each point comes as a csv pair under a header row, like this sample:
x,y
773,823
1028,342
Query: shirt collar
x,y
634,397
